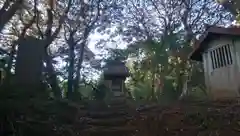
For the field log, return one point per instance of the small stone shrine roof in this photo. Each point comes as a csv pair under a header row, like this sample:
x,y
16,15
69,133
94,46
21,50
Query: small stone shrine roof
x,y
116,68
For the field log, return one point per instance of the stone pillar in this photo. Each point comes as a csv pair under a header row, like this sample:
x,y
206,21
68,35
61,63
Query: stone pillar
x,y
108,84
29,64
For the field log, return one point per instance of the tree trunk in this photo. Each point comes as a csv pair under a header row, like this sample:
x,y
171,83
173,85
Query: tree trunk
x,y
52,79
80,61
6,12
180,77
9,64
70,69
153,85
79,66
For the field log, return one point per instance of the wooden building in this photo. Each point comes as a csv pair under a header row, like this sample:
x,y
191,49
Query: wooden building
x,y
219,50
115,73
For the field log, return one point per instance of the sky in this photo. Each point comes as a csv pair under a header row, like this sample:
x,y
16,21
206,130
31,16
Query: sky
x,y
94,38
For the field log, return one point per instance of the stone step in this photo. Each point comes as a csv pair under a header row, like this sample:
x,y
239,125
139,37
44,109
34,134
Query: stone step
x,y
118,100
118,106
117,109
117,103
108,122
116,131
106,114
82,112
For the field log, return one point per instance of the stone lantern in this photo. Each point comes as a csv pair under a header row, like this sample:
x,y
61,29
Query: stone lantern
x,y
115,73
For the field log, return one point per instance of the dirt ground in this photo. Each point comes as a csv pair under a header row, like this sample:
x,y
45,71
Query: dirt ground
x,y
219,118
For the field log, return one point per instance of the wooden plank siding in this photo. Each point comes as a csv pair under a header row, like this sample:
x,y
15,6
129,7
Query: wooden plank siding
x,y
236,42
222,81
206,75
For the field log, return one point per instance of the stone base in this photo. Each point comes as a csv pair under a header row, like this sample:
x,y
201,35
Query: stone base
x,y
117,94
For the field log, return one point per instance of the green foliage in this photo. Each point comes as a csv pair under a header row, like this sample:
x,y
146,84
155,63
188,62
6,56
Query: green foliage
x,y
140,91
151,67
100,92
35,114
85,91
157,74
238,18
197,94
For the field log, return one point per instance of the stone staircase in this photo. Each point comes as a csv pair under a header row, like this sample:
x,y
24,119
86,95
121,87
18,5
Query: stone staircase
x,y
110,121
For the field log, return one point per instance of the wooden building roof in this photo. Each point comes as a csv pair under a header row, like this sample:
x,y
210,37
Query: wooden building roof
x,y
200,45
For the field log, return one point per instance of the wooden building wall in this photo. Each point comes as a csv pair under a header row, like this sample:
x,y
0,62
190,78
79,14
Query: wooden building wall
x,y
222,81
236,42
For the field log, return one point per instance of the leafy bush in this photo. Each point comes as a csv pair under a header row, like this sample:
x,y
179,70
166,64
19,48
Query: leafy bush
x,y
100,92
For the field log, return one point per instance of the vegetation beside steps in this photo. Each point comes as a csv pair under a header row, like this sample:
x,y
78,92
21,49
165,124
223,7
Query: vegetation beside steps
x,y
21,116
37,117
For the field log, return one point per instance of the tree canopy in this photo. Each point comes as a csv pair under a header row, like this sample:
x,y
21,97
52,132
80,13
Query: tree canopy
x,y
58,49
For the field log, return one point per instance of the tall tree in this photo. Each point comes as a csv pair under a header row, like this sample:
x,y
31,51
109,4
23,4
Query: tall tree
x,y
80,23
99,11
171,23
52,21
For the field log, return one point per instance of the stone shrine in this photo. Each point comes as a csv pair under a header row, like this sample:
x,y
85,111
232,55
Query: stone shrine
x,y
115,73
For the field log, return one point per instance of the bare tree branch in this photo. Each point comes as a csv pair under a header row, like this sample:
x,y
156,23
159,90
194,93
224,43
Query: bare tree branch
x,y
8,12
